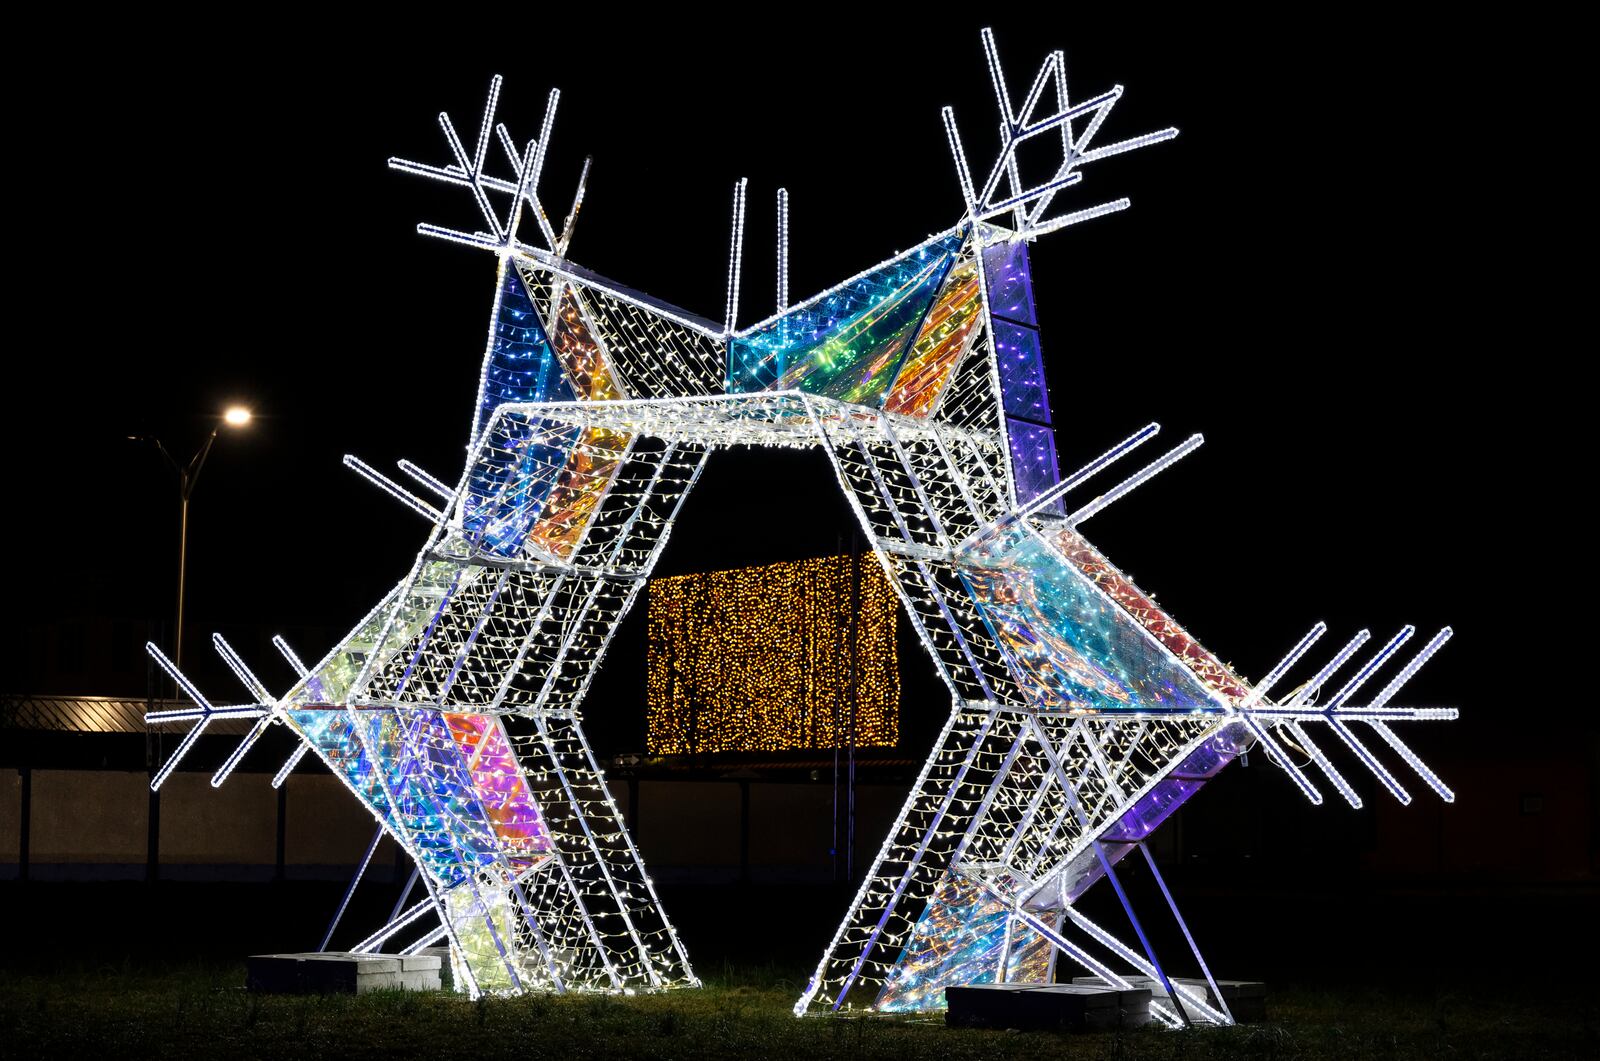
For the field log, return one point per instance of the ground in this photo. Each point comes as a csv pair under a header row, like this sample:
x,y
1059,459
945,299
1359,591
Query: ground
x,y
202,1010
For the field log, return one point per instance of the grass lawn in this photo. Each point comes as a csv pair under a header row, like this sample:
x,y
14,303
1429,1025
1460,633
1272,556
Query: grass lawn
x,y
95,1013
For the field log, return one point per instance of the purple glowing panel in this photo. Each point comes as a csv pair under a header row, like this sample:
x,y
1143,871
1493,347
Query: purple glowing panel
x,y
1016,352
1005,266
1033,459
1141,819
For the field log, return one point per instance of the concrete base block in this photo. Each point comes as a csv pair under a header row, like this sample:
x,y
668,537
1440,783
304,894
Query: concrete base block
x,y
338,972
446,973
1046,1007
1246,999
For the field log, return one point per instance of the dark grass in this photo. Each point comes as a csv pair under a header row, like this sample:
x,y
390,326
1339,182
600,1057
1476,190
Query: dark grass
x,y
201,1010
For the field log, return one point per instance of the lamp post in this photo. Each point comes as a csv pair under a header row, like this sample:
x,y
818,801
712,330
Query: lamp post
x,y
188,474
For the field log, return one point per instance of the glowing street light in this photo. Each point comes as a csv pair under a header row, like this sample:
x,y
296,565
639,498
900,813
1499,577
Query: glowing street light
x,y
188,474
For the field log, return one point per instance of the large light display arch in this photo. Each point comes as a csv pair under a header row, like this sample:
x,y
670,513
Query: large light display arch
x,y
1082,714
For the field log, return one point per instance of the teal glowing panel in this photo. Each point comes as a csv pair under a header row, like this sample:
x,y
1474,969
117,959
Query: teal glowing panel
x,y
1070,645
849,343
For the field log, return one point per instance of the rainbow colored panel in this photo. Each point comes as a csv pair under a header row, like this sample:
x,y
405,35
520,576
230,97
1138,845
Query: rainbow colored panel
x,y
591,464
1071,646
500,787
958,940
939,345
595,457
1210,670
506,487
584,361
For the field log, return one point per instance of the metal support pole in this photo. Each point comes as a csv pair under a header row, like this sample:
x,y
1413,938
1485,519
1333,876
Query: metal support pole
x,y
405,893
280,870
1176,916
1138,929
25,823
183,564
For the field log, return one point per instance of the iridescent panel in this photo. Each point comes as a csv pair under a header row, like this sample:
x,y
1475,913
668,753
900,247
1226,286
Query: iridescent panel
x,y
434,801
849,343
516,469
500,787
584,361
591,465
483,916
958,941
857,361
1005,266
1216,674
330,732
1071,647
316,708
333,678
939,345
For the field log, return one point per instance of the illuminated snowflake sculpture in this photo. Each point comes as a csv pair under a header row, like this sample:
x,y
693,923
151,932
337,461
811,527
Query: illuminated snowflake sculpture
x,y
1083,715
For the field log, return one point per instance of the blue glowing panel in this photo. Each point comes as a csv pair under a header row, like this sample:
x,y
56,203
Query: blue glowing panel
x,y
1005,267
517,465
520,366
849,343
330,731
515,468
1033,459
434,799
1073,648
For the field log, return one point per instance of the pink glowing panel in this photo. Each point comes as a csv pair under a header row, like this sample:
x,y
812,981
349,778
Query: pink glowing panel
x,y
500,786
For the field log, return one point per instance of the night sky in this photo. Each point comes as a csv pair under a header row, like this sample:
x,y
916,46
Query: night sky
x,y
1308,276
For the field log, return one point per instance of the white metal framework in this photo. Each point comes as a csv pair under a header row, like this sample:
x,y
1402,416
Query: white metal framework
x,y
1082,714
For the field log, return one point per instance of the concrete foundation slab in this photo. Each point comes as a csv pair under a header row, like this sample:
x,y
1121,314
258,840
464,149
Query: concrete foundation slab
x,y
340,972
1246,999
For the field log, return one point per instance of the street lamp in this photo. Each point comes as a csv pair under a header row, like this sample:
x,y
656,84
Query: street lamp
x,y
188,474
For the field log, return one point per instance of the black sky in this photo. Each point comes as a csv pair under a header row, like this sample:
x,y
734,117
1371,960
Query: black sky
x,y
1309,275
